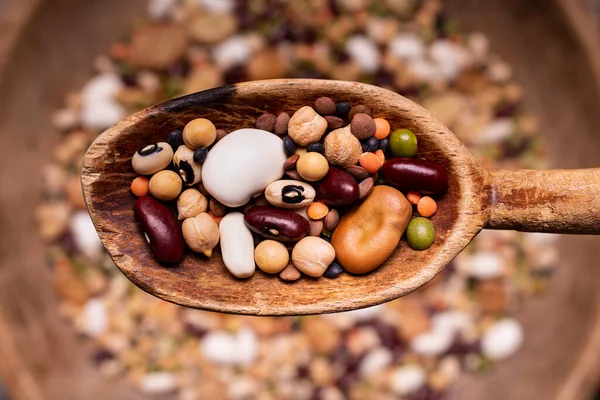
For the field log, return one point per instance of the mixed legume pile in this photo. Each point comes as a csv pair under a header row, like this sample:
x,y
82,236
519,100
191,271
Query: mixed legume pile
x,y
241,199
414,347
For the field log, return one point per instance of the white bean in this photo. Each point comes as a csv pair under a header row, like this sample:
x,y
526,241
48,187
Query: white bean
x,y
237,245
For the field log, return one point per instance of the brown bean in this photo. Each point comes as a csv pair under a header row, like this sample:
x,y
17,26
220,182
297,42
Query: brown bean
x,y
281,124
332,219
316,227
325,106
334,122
358,172
217,209
292,173
266,122
291,161
277,224
161,228
365,187
221,133
358,109
362,126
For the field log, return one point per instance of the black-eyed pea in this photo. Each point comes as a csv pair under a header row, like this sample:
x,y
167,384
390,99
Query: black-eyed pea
x,y
152,158
188,169
290,194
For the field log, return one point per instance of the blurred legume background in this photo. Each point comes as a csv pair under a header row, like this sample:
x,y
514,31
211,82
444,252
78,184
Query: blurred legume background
x,y
414,347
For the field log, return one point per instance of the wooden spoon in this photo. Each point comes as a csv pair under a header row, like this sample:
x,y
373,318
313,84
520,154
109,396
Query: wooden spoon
x,y
559,201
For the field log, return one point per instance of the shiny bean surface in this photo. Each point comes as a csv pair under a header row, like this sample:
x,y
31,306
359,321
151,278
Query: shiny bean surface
x,y
409,174
161,228
338,188
277,224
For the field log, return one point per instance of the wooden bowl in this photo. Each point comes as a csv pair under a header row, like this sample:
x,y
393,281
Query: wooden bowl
x,y
40,356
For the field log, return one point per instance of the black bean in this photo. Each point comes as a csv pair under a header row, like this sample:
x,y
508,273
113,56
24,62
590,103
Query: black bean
x,y
200,155
316,148
333,271
383,144
342,109
175,139
289,146
371,144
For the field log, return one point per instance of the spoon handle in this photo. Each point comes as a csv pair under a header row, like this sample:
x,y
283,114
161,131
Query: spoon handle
x,y
552,201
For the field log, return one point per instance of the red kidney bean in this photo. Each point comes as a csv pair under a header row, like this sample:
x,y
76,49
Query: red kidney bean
x,y
427,177
277,224
162,229
338,188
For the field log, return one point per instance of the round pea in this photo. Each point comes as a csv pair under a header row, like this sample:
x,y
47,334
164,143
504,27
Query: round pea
x,y
420,233
165,185
271,256
403,143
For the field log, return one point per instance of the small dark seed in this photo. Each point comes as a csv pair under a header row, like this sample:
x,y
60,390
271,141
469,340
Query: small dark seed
x,y
221,133
217,209
316,227
200,155
175,139
281,124
266,122
370,145
333,271
334,122
383,144
342,109
289,146
326,238
358,109
290,163
316,148
325,106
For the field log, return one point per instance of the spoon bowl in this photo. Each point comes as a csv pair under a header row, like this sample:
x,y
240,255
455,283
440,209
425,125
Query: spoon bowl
x,y
561,201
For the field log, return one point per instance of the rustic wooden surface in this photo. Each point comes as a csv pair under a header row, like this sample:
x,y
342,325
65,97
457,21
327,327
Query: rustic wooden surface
x,y
204,283
560,357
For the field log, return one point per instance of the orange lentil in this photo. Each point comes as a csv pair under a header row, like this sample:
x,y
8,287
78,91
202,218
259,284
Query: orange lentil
x,y
370,162
427,206
382,128
317,210
140,186
414,197
381,156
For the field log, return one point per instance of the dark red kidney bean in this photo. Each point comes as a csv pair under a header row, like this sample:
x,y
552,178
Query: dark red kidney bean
x,y
277,224
338,188
427,177
161,227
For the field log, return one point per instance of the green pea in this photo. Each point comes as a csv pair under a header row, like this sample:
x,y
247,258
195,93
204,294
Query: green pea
x,y
420,233
403,143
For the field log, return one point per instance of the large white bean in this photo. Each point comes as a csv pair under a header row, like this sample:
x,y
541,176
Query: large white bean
x,y
242,164
237,245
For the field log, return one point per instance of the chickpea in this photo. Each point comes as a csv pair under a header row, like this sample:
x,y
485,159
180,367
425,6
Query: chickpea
x,y
271,256
165,185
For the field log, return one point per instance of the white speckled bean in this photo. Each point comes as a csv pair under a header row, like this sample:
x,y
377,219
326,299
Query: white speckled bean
x,y
237,245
